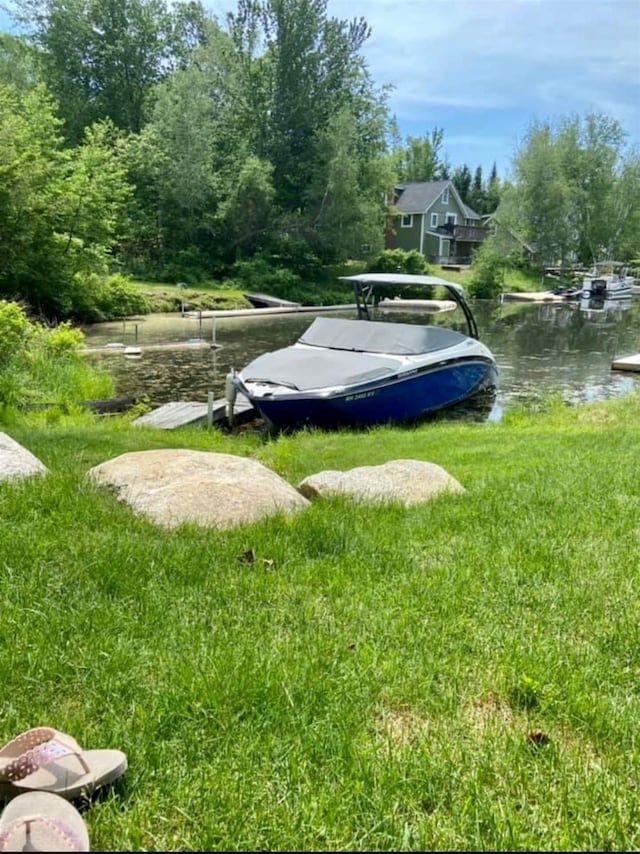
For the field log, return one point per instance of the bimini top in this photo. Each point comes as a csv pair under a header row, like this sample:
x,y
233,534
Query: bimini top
x,y
364,285
392,339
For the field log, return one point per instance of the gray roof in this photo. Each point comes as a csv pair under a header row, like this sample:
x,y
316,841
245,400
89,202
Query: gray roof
x,y
470,213
418,197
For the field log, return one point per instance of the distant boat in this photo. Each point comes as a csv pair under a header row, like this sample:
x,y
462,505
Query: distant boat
x,y
268,301
608,280
364,372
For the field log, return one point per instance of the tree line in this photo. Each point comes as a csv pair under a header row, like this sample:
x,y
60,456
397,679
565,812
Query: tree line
x,y
151,138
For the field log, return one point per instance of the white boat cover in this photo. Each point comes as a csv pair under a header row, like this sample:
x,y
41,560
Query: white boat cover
x,y
368,336
304,370
343,353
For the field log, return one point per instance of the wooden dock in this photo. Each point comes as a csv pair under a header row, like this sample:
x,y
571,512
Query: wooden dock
x,y
626,363
183,413
138,350
267,301
259,312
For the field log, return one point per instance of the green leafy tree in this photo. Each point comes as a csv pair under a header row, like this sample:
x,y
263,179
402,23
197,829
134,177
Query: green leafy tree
x,y
101,58
60,209
18,62
462,178
419,159
346,196
575,193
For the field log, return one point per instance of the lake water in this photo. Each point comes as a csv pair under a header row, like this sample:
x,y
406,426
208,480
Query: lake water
x,y
539,348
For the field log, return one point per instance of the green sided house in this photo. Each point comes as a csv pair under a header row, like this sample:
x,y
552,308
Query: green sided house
x,y
432,218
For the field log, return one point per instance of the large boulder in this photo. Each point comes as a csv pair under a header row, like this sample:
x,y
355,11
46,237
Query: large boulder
x,y
405,481
174,486
16,462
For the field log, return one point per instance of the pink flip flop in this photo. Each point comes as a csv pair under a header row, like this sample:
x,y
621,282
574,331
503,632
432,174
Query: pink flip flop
x,y
44,759
39,821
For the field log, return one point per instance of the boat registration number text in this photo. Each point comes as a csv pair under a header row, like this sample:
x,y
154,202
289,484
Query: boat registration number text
x,y
360,396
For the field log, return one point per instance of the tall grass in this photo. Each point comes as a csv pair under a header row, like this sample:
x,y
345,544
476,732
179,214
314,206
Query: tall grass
x,y
457,676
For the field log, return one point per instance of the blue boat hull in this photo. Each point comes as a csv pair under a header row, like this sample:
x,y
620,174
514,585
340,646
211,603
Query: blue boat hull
x,y
392,401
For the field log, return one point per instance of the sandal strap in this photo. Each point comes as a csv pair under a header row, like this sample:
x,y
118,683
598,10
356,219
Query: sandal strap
x,y
41,754
26,740
63,830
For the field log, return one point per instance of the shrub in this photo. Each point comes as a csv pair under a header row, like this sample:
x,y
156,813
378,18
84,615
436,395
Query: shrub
x,y
399,261
14,330
99,298
487,272
44,364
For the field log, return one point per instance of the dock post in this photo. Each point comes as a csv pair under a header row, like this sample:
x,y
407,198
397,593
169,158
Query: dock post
x,y
230,394
213,330
209,409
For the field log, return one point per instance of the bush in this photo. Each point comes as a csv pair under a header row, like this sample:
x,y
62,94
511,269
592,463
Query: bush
x,y
487,272
44,365
98,298
14,331
399,261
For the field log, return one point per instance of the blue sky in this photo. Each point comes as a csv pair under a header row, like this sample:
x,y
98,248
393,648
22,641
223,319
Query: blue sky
x,y
482,70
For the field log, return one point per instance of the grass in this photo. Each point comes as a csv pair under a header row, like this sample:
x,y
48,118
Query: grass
x,y
457,676
208,295
214,295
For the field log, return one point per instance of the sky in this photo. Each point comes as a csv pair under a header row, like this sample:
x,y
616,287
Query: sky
x,y
483,70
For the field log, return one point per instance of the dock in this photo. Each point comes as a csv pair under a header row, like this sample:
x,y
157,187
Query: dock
x,y
137,350
268,301
192,413
259,312
626,363
532,296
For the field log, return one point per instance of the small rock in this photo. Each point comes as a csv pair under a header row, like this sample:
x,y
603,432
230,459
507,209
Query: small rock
x,y
16,462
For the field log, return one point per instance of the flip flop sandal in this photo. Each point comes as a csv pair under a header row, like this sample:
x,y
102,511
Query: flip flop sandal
x,y
39,821
44,759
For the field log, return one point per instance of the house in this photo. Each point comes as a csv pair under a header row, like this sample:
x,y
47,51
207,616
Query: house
x,y
432,218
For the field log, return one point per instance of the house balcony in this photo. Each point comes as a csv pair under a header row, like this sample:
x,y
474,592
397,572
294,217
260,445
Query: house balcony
x,y
463,233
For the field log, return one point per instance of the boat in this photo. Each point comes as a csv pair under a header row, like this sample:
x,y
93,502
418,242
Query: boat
x,y
568,292
608,280
363,371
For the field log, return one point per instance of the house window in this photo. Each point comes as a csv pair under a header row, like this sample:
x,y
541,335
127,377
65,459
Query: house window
x,y
407,220
445,196
451,218
434,220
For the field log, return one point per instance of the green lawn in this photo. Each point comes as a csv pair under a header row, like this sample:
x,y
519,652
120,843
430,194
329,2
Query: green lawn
x,y
462,675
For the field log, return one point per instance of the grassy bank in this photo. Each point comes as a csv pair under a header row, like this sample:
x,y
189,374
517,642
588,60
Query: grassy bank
x,y
462,675
217,295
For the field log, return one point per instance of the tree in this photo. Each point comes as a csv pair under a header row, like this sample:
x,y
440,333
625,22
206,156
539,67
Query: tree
x,y
344,195
575,188
419,159
300,67
18,62
60,210
101,58
461,178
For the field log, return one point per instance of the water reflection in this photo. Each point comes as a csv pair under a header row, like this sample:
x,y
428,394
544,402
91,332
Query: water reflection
x,y
559,347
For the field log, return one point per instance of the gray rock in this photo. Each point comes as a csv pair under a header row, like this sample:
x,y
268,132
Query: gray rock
x,y
406,481
16,462
174,486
